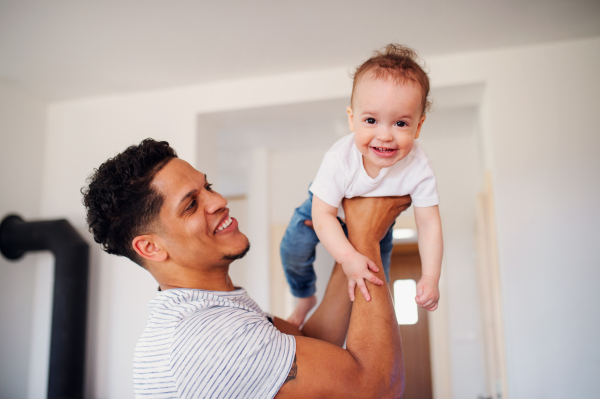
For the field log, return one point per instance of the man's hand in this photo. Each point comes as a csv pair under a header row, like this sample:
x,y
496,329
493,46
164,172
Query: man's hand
x,y
372,217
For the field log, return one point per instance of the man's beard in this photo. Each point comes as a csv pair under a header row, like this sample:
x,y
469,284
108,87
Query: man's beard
x,y
233,257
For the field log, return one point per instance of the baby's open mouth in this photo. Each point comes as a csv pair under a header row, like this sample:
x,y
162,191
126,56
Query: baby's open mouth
x,y
383,151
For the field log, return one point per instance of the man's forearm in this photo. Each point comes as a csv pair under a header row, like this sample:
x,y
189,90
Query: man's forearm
x,y
374,334
372,366
330,320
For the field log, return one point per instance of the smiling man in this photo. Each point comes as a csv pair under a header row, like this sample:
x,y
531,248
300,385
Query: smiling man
x,y
206,338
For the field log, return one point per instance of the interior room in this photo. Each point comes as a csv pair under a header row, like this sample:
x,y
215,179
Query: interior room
x,y
254,95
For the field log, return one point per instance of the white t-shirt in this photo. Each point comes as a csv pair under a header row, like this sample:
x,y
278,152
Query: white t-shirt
x,y
210,344
342,175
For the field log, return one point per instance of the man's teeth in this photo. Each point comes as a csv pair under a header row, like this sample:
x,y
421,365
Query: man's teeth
x,y
225,224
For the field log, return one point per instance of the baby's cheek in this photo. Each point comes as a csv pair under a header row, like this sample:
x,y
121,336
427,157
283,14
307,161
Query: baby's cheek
x,y
406,144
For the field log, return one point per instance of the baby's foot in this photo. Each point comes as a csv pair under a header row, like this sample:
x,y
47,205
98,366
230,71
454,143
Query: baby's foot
x,y
302,308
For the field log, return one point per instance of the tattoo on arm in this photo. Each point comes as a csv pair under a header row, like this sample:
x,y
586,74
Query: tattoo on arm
x,y
293,371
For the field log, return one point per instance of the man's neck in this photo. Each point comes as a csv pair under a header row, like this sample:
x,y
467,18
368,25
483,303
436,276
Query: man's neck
x,y
216,279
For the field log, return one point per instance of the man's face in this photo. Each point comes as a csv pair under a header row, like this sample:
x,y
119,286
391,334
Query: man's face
x,y
195,227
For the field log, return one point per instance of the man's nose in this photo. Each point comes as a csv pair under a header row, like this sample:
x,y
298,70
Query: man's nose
x,y
214,202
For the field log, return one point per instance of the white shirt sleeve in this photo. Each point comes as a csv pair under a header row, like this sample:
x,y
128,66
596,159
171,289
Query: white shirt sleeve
x,y
331,181
424,193
229,352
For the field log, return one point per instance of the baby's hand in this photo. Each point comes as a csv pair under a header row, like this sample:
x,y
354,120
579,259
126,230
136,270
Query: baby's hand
x,y
428,293
357,270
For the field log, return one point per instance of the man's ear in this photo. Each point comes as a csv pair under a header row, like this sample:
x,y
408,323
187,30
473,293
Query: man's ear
x,y
420,126
146,246
350,118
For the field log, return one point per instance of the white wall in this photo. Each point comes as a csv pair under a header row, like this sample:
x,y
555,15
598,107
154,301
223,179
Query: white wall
x,y
452,141
540,117
541,142
258,230
22,124
238,269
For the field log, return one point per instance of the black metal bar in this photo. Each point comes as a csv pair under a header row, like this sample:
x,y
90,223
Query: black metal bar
x,y
69,309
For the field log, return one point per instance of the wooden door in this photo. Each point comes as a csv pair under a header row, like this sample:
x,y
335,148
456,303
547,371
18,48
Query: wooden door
x,y
406,264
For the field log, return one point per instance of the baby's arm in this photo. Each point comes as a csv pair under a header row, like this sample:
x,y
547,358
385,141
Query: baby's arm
x,y
331,234
431,247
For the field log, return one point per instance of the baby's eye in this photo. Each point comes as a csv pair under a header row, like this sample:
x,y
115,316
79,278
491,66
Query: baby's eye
x,y
370,120
400,123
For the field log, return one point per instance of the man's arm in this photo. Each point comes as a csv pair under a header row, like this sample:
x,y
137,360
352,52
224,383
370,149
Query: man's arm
x,y
330,320
371,365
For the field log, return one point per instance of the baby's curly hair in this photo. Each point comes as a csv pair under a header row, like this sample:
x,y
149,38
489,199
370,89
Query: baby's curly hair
x,y
120,201
398,62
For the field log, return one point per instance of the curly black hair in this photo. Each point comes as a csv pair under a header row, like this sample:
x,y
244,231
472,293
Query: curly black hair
x,y
120,201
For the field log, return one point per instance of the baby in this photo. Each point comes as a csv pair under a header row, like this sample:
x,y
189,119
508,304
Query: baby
x,y
381,158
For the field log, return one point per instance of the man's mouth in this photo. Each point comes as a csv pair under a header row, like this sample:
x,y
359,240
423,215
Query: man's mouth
x,y
224,224
384,152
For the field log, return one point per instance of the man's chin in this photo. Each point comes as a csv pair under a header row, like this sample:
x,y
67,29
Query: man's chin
x,y
239,255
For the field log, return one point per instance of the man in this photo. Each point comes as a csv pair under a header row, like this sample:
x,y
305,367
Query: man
x,y
206,338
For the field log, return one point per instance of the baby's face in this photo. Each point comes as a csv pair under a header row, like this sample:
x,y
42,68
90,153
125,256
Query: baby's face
x,y
386,119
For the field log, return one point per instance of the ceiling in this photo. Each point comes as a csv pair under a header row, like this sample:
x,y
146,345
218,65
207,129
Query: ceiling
x,y
65,49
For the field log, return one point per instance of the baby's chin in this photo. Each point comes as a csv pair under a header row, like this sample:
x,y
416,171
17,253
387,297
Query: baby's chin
x,y
382,162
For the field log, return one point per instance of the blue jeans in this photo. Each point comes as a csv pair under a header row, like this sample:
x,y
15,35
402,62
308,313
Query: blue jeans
x,y
298,251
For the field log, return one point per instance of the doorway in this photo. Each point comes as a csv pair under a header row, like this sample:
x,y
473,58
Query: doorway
x,y
453,139
406,265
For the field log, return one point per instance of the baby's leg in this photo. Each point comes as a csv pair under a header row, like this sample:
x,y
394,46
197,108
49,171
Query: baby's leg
x,y
302,308
298,251
386,246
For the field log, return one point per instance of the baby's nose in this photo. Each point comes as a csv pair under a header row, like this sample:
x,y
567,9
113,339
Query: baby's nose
x,y
384,134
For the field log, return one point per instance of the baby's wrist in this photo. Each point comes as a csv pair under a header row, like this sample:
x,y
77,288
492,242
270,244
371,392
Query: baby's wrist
x,y
430,278
346,257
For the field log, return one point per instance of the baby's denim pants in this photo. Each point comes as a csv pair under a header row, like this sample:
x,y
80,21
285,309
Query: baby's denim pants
x,y
298,251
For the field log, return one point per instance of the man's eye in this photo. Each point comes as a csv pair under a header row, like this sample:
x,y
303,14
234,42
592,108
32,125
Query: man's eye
x,y
370,120
401,123
209,187
192,205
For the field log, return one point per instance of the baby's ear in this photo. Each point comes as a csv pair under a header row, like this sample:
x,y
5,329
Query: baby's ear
x,y
350,118
420,126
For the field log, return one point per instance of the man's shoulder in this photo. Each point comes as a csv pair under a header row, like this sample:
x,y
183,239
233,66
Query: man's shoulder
x,y
230,345
173,311
215,342
186,300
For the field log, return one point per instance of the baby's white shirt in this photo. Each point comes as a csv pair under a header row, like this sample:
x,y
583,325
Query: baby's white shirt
x,y
342,175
